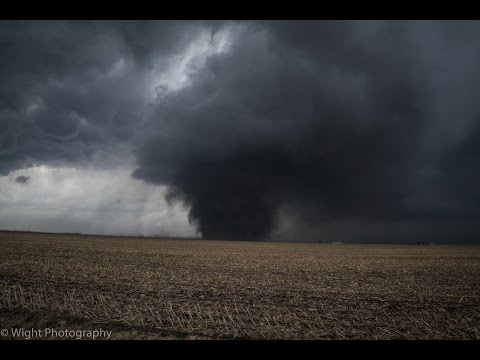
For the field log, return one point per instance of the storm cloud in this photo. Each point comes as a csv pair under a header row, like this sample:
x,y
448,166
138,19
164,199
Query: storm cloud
x,y
260,128
72,90
22,179
333,120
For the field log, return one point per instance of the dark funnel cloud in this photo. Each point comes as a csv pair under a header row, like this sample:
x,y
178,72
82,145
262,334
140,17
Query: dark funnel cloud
x,y
330,120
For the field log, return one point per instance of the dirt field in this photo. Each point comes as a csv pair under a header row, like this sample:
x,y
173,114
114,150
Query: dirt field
x,y
193,289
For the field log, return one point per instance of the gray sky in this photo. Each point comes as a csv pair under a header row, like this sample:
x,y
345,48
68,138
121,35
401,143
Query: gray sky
x,y
291,130
87,200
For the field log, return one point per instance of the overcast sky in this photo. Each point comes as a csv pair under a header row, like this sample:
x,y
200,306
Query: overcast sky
x,y
355,131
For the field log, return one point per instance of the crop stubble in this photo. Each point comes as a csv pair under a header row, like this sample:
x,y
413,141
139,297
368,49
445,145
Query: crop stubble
x,y
197,289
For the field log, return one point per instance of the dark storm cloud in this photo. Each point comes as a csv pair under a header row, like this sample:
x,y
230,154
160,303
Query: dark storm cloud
x,y
333,120
460,171
69,89
22,179
325,122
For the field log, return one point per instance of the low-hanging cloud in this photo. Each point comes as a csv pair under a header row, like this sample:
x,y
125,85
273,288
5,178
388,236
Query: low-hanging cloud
x,y
22,179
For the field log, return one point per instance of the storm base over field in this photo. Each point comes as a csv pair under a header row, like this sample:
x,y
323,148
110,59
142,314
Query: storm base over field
x,y
355,131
